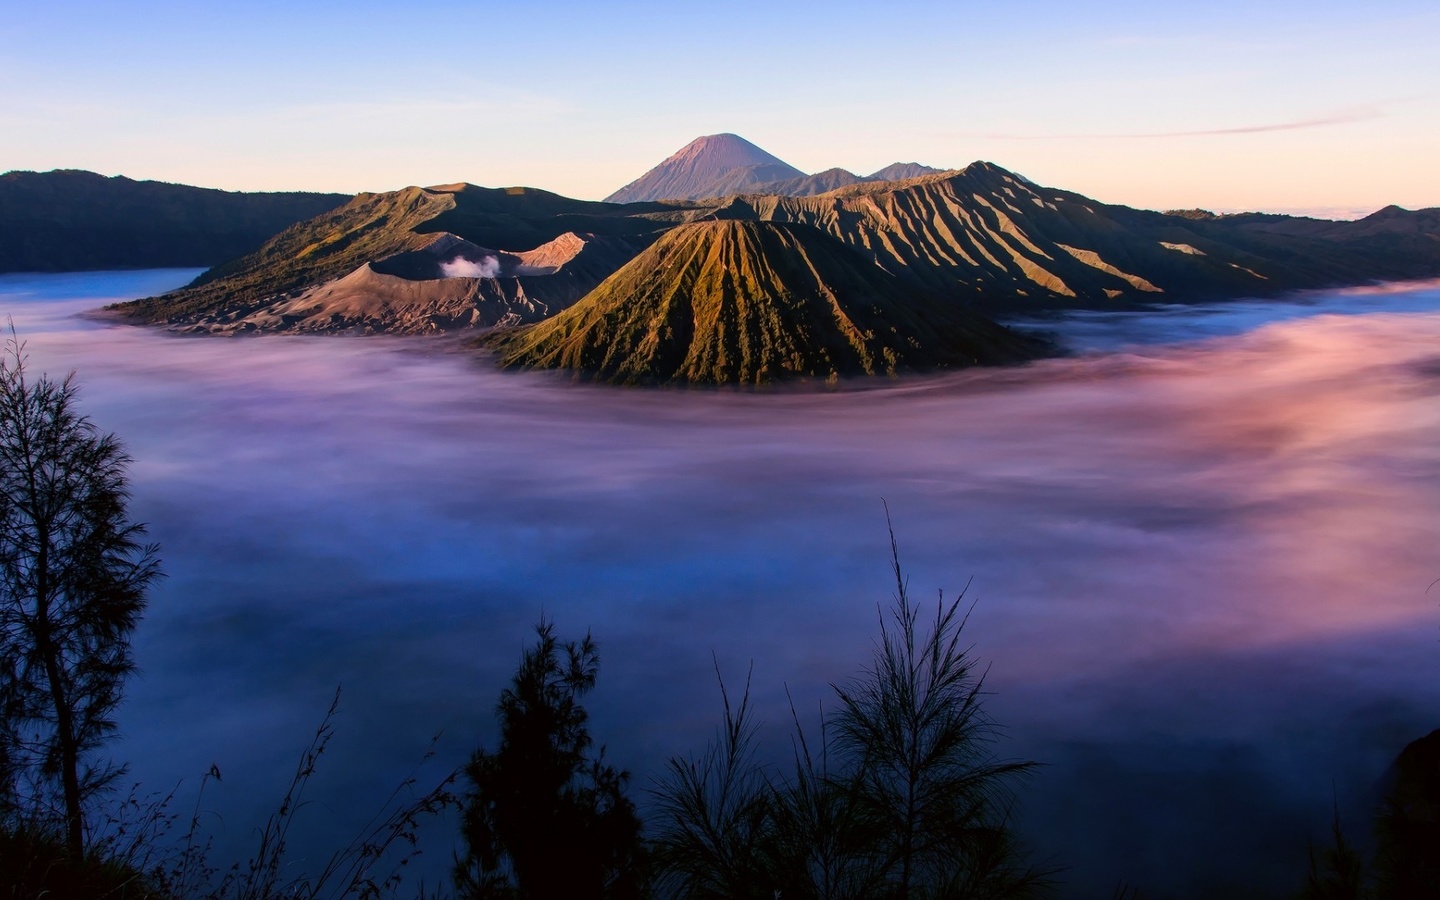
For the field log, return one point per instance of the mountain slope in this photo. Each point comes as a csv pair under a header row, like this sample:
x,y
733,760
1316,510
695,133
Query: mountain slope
x,y
715,165
447,285
375,228
1002,243
66,221
748,302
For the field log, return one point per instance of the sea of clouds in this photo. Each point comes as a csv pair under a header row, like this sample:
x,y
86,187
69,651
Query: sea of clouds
x,y
1199,550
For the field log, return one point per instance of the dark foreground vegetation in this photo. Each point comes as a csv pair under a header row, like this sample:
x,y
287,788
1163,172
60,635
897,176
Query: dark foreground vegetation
x,y
902,793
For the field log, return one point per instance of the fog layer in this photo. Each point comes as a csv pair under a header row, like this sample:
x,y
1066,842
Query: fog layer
x,y
1201,567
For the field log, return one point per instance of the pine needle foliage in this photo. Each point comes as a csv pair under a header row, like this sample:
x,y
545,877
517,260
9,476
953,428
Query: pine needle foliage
x,y
1336,872
715,811
914,729
73,577
902,796
543,817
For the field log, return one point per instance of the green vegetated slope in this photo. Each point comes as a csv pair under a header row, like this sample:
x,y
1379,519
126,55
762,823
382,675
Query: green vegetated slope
x,y
65,221
750,302
376,227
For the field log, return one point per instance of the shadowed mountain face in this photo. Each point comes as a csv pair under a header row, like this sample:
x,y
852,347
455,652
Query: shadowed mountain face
x,y
722,165
65,221
749,302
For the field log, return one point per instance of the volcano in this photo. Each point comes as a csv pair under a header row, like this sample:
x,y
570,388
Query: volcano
x,y
748,302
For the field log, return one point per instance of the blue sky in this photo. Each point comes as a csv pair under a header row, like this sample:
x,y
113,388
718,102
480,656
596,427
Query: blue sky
x,y
1267,105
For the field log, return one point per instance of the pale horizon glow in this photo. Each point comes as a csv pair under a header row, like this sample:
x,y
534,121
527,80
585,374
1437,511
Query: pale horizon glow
x,y
1319,107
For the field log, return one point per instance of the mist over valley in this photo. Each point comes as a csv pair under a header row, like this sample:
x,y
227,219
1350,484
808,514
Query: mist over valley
x,y
1200,566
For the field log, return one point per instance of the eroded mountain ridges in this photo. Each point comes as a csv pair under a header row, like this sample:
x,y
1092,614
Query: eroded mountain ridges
x,y
747,302
981,236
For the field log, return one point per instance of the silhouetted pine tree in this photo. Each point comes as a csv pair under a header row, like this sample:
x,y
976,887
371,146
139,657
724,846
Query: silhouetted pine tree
x,y
914,732
902,797
73,577
715,815
543,817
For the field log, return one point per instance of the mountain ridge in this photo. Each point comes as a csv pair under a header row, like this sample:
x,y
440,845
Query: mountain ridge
x,y
722,165
745,302
69,220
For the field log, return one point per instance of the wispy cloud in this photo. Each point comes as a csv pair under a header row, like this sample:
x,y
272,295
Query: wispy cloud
x,y
516,105
460,267
1346,117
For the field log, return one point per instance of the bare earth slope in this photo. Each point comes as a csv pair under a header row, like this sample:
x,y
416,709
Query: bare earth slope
x,y
749,302
450,284
315,276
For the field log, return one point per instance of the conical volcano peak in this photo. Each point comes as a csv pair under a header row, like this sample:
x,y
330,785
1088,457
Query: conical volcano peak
x,y
744,302
711,166
724,151
726,165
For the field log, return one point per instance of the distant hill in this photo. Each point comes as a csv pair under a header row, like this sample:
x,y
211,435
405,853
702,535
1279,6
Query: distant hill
x,y
901,171
722,165
727,302
807,185
69,220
